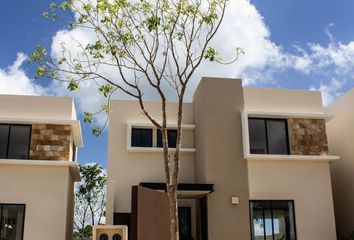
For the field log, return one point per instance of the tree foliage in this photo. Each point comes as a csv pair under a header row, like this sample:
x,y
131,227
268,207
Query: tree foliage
x,y
150,45
90,200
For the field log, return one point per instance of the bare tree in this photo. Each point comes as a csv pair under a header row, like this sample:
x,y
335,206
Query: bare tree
x,y
151,45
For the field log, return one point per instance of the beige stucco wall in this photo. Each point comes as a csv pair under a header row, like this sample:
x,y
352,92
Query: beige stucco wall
x,y
340,140
282,100
129,168
35,107
219,157
307,183
44,190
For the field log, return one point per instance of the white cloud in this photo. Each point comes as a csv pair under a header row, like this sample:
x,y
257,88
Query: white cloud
x,y
330,91
331,66
13,79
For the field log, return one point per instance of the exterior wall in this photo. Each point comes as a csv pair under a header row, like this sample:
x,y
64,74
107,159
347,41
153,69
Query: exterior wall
x,y
340,137
70,205
46,187
219,156
44,190
307,136
50,142
292,101
307,183
33,107
129,168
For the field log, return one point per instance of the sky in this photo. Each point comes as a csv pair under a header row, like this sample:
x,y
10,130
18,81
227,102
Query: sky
x,y
288,44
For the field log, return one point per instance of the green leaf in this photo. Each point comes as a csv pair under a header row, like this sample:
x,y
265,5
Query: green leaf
x,y
40,71
153,22
62,60
106,108
211,54
87,117
52,6
106,89
45,15
97,131
73,85
38,54
64,5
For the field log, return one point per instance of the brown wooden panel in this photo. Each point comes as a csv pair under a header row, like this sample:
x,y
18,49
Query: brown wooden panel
x,y
150,214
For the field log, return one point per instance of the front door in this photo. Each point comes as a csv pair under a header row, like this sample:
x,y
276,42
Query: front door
x,y
185,223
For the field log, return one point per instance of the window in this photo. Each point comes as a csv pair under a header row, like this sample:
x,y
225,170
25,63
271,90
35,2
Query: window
x,y
171,136
14,141
141,137
272,220
12,221
268,136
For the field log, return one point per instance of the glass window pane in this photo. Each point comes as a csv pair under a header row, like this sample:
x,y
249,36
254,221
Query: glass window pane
x,y
274,218
277,137
172,138
257,135
258,224
136,137
141,137
171,135
19,142
268,224
12,222
4,134
146,137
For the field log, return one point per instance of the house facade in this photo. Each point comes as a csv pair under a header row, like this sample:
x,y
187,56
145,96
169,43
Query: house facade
x,y
39,137
340,134
255,163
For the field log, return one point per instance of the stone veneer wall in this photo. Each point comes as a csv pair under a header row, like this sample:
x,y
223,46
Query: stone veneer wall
x,y
50,142
308,136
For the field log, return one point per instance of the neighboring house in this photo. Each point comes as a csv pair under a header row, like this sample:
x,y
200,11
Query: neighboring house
x,y
38,141
340,137
254,164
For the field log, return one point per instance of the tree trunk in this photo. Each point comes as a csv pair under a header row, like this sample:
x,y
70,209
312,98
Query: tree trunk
x,y
174,226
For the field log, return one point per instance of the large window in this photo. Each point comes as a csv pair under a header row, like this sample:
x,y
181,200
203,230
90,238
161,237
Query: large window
x,y
171,136
12,221
14,141
268,136
141,137
272,220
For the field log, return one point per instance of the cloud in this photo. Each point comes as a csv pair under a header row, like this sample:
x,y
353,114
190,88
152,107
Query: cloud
x,y
329,91
14,80
328,68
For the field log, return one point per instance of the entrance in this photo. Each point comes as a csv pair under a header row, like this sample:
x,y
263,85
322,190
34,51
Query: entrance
x,y
185,223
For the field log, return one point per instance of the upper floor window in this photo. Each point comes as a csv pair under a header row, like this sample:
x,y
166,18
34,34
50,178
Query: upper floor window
x,y
268,136
171,136
141,137
14,141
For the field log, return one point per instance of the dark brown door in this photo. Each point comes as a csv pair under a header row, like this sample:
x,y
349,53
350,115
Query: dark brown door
x,y
185,223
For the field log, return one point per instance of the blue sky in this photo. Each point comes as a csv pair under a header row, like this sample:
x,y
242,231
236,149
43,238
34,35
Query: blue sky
x,y
289,44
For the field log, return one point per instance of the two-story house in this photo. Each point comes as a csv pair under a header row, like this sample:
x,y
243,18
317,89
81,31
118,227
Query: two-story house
x,y
254,163
39,137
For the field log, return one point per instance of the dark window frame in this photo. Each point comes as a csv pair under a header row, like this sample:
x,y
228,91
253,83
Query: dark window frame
x,y
24,214
272,201
139,128
159,133
9,135
266,132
